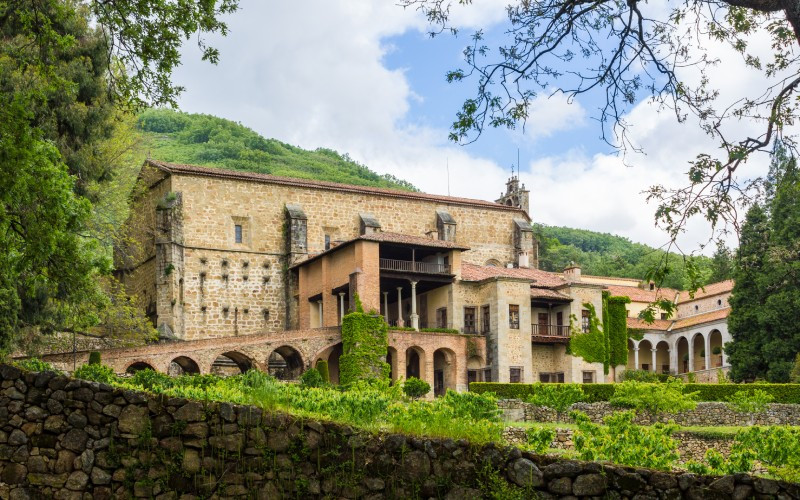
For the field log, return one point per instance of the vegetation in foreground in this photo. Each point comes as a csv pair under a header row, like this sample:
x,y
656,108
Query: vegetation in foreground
x,y
376,405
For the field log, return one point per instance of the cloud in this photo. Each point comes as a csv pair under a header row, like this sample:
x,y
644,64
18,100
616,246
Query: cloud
x,y
553,112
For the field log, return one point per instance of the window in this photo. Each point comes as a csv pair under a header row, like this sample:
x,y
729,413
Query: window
x,y
551,378
652,286
487,374
485,319
664,316
469,320
513,316
696,308
515,375
237,233
646,367
628,313
441,317
588,377
327,242
719,302
585,320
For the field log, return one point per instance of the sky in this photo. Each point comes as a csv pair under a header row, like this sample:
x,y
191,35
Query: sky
x,y
364,78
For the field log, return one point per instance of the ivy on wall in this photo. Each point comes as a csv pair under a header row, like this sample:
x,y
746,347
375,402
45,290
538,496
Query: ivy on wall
x,y
607,341
365,344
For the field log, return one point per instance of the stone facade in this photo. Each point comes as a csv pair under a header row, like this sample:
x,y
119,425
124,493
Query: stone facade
x,y
62,438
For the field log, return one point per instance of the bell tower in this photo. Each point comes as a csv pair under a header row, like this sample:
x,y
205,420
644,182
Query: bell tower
x,y
516,195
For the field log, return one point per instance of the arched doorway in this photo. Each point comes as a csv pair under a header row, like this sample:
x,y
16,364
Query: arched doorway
x,y
332,355
662,357
231,363
183,365
474,369
137,367
699,352
444,371
415,360
715,341
683,355
645,356
285,363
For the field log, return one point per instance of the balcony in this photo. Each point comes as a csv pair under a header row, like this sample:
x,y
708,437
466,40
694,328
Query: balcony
x,y
550,330
407,266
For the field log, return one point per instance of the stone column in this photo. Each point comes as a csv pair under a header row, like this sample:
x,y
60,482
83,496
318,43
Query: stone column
x,y
672,364
690,368
386,307
653,366
400,321
724,357
636,357
414,315
708,351
341,307
321,317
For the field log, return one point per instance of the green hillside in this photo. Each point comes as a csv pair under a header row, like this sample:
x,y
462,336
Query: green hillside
x,y
207,140
603,254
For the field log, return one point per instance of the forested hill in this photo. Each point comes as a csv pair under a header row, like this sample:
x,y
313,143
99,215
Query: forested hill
x,y
207,140
603,254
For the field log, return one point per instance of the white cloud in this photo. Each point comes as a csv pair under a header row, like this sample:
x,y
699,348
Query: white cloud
x,y
312,74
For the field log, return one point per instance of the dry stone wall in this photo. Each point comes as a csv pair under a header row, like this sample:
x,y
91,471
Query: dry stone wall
x,y
69,439
705,414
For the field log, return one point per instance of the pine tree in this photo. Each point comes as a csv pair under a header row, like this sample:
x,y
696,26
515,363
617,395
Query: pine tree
x,y
721,264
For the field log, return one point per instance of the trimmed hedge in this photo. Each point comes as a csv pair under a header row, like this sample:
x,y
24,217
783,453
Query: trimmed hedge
x,y
783,393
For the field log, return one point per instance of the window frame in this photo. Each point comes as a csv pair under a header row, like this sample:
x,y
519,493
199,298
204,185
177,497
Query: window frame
x,y
513,316
473,328
238,234
441,317
519,375
486,319
586,321
591,375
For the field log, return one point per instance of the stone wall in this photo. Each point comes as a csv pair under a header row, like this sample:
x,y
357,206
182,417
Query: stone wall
x,y
63,438
706,414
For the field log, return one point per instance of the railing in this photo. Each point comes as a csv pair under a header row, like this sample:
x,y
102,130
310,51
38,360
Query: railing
x,y
413,267
550,330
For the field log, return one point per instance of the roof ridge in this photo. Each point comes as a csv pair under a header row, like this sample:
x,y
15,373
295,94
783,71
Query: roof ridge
x,y
178,168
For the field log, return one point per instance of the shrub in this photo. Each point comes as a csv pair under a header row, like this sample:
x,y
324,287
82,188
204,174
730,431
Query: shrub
x,y
654,398
364,347
755,401
34,365
94,358
150,380
416,388
311,378
96,373
540,439
557,397
622,442
592,393
643,376
322,368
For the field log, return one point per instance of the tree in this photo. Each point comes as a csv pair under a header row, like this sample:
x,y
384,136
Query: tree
x,y
68,71
767,290
721,264
629,51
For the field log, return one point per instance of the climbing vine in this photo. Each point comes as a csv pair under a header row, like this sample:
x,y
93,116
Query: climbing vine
x,y
617,330
605,343
364,346
591,345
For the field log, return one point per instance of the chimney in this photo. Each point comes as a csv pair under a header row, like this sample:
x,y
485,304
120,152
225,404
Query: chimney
x,y
572,272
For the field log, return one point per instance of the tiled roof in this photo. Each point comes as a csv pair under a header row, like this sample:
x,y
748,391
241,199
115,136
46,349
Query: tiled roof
x,y
637,294
546,293
472,272
702,318
407,239
640,324
174,168
708,291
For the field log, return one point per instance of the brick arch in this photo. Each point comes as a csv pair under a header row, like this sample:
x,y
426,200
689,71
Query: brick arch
x,y
293,363
186,364
139,364
243,361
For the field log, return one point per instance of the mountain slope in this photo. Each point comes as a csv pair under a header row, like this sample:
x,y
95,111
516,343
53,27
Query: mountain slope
x,y
207,140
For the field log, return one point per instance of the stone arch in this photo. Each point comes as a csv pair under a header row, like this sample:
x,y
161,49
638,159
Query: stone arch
x,y
444,371
663,364
645,355
698,352
231,363
493,263
137,366
183,365
715,343
415,362
682,348
285,363
331,354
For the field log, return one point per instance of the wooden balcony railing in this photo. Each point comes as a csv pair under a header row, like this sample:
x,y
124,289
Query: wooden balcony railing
x,y
550,330
413,267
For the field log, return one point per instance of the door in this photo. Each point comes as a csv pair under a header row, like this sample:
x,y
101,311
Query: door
x,y
544,319
438,382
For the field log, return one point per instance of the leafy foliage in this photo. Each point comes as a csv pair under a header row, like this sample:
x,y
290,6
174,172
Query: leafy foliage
x,y
621,442
34,365
592,346
767,288
755,401
96,373
416,388
558,397
617,331
94,358
539,439
654,399
211,141
364,347
322,368
643,376
311,378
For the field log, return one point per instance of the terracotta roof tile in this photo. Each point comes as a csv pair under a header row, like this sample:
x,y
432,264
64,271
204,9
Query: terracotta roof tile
x,y
708,291
702,318
388,237
546,293
473,272
637,294
175,168
640,324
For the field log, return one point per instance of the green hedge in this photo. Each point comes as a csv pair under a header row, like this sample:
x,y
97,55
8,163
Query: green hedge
x,y
783,393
